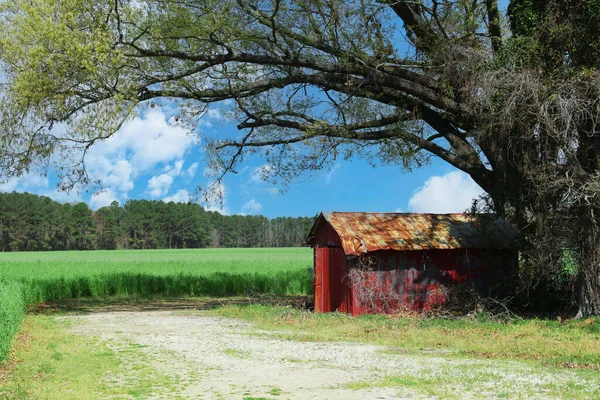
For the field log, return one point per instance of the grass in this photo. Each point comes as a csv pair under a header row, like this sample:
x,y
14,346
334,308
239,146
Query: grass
x,y
49,276
574,344
51,363
68,366
11,314
481,358
35,277
444,365
275,391
505,380
236,353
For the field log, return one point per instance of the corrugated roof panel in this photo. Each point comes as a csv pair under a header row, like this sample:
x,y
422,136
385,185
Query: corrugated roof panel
x,y
365,232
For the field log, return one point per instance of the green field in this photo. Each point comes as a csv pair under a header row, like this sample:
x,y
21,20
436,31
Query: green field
x,y
30,278
158,262
198,272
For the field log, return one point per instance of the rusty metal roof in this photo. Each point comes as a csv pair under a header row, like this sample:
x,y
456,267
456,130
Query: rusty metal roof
x,y
362,232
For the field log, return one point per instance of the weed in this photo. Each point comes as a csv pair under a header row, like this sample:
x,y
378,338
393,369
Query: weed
x,y
573,344
236,353
275,391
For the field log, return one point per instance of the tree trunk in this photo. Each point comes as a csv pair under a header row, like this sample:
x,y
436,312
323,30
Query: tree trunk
x,y
584,298
587,284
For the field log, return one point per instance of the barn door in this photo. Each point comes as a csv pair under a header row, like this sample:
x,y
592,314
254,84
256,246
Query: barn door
x,y
332,291
339,280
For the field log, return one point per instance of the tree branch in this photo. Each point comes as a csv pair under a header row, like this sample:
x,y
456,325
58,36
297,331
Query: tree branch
x,y
410,13
470,165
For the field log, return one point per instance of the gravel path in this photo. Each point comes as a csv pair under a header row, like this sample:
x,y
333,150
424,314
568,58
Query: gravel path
x,y
218,358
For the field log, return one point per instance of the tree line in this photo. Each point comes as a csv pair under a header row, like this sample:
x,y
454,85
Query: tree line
x,y
29,222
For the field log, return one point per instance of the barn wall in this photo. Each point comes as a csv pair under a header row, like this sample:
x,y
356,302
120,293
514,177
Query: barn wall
x,y
331,284
326,236
420,280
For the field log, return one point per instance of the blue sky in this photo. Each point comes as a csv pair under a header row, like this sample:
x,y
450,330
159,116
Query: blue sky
x,y
151,158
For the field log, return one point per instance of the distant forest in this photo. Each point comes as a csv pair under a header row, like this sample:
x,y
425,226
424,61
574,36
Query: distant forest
x,y
37,223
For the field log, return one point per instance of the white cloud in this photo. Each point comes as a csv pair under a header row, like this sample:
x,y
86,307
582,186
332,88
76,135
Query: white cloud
x,y
28,182
191,171
119,176
215,114
273,191
153,140
145,144
210,117
453,192
102,199
251,207
331,172
9,186
159,185
182,196
140,146
175,169
262,173
39,185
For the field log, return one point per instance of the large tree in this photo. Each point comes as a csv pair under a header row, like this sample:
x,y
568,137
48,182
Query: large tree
x,y
512,100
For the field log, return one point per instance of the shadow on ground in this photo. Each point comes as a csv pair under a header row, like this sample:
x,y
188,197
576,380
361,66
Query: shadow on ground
x,y
89,306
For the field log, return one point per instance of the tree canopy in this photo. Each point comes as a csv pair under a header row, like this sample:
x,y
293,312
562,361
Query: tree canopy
x,y
512,100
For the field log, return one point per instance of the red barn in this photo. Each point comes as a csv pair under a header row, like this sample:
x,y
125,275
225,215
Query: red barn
x,y
383,262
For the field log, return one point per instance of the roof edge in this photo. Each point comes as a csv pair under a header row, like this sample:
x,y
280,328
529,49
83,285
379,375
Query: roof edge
x,y
364,232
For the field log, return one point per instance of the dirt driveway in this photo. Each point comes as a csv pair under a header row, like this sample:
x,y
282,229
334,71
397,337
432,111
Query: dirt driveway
x,y
218,358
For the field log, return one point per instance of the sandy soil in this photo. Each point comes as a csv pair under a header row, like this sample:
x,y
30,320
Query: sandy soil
x,y
218,358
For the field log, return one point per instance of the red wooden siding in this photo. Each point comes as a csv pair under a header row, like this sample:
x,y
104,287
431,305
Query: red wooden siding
x,y
332,291
325,235
420,280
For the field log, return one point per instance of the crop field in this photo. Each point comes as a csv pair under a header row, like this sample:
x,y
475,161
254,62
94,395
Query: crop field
x,y
50,276
30,278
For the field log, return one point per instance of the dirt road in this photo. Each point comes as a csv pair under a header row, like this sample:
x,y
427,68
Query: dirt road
x,y
200,356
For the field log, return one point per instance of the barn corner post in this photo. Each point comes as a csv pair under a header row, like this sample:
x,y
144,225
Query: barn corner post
x,y
321,283
331,292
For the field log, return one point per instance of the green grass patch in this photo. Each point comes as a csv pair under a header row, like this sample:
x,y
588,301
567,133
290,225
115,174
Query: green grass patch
x,y
573,344
507,379
236,353
11,314
275,391
51,363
